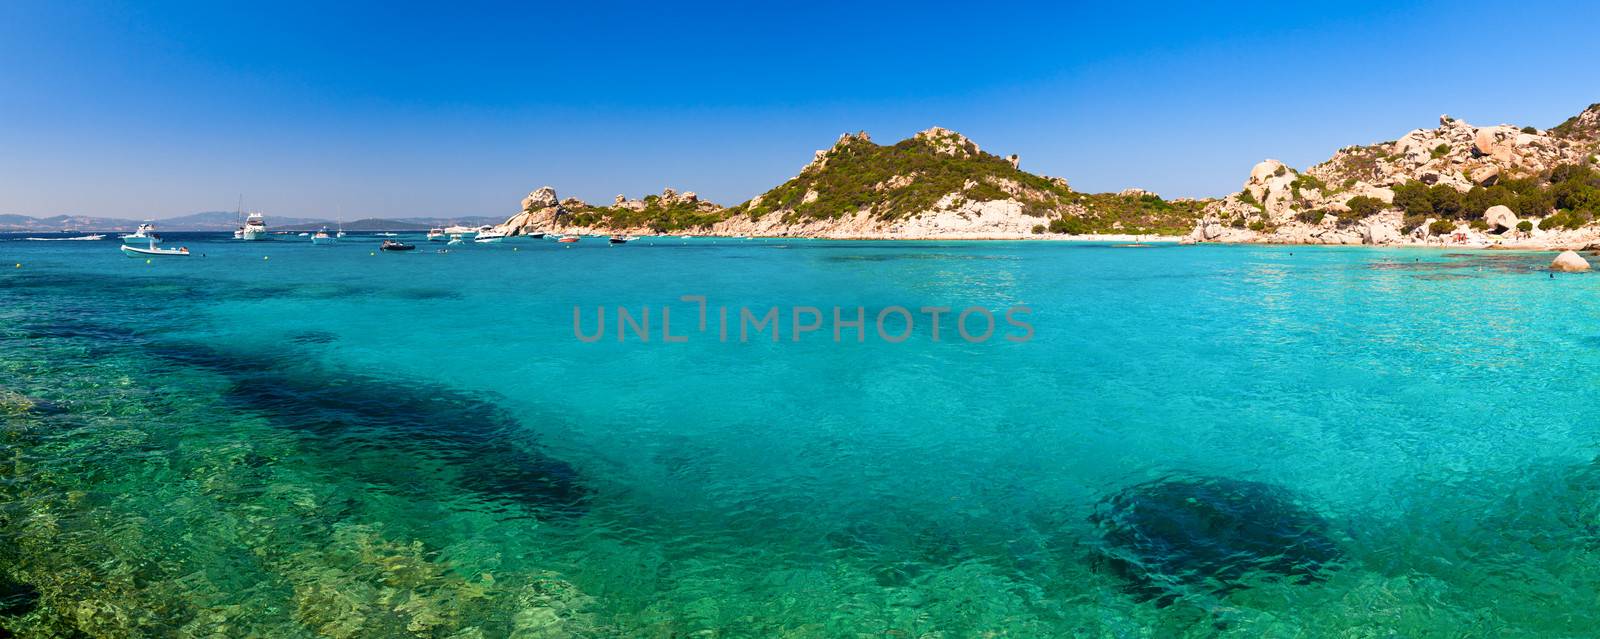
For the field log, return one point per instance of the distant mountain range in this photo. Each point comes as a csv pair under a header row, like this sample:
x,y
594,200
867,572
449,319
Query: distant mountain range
x,y
228,221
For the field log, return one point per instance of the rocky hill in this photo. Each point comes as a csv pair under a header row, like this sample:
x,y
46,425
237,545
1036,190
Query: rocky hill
x,y
937,183
1457,183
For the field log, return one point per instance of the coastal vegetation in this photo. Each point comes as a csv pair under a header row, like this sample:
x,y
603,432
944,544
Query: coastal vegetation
x,y
658,214
1567,196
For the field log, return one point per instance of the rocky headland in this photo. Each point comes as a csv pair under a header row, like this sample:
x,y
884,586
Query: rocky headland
x,y
1454,185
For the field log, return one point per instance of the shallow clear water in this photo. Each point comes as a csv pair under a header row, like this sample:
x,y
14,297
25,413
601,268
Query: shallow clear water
x,y
340,442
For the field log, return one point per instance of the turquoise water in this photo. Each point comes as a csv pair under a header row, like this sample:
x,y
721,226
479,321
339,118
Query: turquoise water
x,y
338,442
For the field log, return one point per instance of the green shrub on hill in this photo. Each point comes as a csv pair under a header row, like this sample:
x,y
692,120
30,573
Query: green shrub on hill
x,y
1566,219
655,216
1569,187
860,175
1365,205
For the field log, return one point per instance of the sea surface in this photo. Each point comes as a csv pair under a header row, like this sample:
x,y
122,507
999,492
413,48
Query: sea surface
x,y
276,439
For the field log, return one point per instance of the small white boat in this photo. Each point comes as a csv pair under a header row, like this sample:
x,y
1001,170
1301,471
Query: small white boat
x,y
436,234
684,237
305,235
81,238
387,234
145,235
322,238
455,239
134,251
490,237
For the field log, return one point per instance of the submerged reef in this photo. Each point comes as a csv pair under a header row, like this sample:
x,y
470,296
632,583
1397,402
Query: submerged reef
x,y
476,441
1178,535
206,513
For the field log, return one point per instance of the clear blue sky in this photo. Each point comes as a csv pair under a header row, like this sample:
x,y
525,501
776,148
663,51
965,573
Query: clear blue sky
x,y
152,109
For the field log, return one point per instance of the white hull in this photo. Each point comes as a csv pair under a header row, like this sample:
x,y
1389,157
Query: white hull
x,y
253,235
139,240
152,252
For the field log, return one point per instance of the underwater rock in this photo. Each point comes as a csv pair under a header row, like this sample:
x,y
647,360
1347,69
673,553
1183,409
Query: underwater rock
x,y
477,440
14,403
1178,535
17,598
313,337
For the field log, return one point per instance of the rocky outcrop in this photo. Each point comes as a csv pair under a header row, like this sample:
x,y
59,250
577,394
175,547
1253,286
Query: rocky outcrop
x,y
1380,232
541,212
1500,218
1582,130
541,198
1277,203
947,142
1569,262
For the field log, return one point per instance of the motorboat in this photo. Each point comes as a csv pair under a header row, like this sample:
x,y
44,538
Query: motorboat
x,y
152,251
80,238
391,245
464,231
455,239
567,239
146,234
387,234
490,236
305,234
618,239
323,238
436,234
254,229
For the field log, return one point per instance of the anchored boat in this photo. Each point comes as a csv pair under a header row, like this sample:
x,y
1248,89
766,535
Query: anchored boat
x,y
145,235
254,229
152,251
490,236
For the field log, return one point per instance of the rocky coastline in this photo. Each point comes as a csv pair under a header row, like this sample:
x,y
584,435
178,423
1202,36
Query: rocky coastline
x,y
939,185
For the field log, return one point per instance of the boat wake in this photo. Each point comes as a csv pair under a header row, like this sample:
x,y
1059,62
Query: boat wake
x,y
84,238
